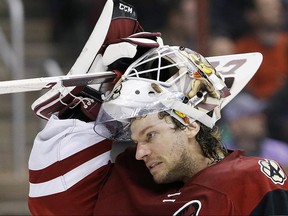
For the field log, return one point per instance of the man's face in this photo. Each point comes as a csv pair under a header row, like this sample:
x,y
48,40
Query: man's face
x,y
166,151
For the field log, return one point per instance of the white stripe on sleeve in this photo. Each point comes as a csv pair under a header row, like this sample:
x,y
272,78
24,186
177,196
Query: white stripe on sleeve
x,y
59,140
62,183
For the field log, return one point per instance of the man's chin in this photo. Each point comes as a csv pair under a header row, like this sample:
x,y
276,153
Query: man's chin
x,y
161,179
158,179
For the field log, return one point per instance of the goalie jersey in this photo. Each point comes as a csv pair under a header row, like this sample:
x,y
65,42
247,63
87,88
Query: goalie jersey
x,y
71,173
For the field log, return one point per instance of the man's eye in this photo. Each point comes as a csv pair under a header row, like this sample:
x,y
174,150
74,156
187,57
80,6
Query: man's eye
x,y
150,136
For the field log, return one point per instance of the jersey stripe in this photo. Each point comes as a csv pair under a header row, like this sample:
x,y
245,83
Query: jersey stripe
x,y
61,167
62,141
66,181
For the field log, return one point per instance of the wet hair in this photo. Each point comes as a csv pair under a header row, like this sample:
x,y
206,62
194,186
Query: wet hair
x,y
208,139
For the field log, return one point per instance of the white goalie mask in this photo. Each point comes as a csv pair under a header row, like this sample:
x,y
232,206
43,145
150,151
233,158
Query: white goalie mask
x,y
169,78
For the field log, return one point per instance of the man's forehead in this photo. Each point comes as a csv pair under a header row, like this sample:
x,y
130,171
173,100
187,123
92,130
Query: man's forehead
x,y
144,121
140,125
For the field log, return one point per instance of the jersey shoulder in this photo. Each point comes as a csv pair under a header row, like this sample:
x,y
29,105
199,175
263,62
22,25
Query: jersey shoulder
x,y
248,172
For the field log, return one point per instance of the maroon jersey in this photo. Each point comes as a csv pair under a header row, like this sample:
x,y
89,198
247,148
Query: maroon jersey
x,y
77,178
237,185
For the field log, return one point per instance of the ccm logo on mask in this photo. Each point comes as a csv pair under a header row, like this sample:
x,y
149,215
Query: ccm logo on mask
x,y
125,8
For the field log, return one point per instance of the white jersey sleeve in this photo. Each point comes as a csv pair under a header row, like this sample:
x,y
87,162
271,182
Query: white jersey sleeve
x,y
65,154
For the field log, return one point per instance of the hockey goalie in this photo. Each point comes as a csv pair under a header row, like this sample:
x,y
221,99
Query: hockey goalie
x,y
165,102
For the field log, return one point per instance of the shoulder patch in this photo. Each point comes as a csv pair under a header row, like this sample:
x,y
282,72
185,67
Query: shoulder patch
x,y
272,170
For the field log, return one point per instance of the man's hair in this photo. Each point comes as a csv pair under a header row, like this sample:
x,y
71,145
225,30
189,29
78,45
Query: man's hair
x,y
208,139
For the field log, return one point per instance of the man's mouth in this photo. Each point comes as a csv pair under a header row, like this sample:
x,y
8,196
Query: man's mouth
x,y
153,165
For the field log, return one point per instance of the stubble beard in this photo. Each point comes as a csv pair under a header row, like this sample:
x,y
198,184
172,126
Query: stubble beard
x,y
182,170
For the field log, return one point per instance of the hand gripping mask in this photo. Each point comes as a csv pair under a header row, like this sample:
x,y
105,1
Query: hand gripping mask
x,y
176,80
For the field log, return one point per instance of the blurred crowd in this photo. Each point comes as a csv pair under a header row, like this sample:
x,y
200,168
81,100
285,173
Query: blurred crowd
x,y
256,120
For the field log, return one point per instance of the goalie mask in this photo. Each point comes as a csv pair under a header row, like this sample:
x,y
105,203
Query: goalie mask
x,y
172,79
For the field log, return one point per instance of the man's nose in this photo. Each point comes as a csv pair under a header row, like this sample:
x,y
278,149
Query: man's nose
x,y
142,151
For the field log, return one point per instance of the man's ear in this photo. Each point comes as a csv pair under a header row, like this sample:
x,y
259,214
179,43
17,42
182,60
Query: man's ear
x,y
192,129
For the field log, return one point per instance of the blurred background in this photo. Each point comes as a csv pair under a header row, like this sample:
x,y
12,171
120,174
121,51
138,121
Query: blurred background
x,y
44,38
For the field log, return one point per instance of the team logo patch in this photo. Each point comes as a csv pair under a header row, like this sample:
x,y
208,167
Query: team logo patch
x,y
273,171
191,208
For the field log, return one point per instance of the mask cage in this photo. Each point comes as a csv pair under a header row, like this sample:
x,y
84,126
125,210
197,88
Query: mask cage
x,y
161,65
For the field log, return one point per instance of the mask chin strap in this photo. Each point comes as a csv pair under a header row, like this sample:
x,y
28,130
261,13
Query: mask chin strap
x,y
197,114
